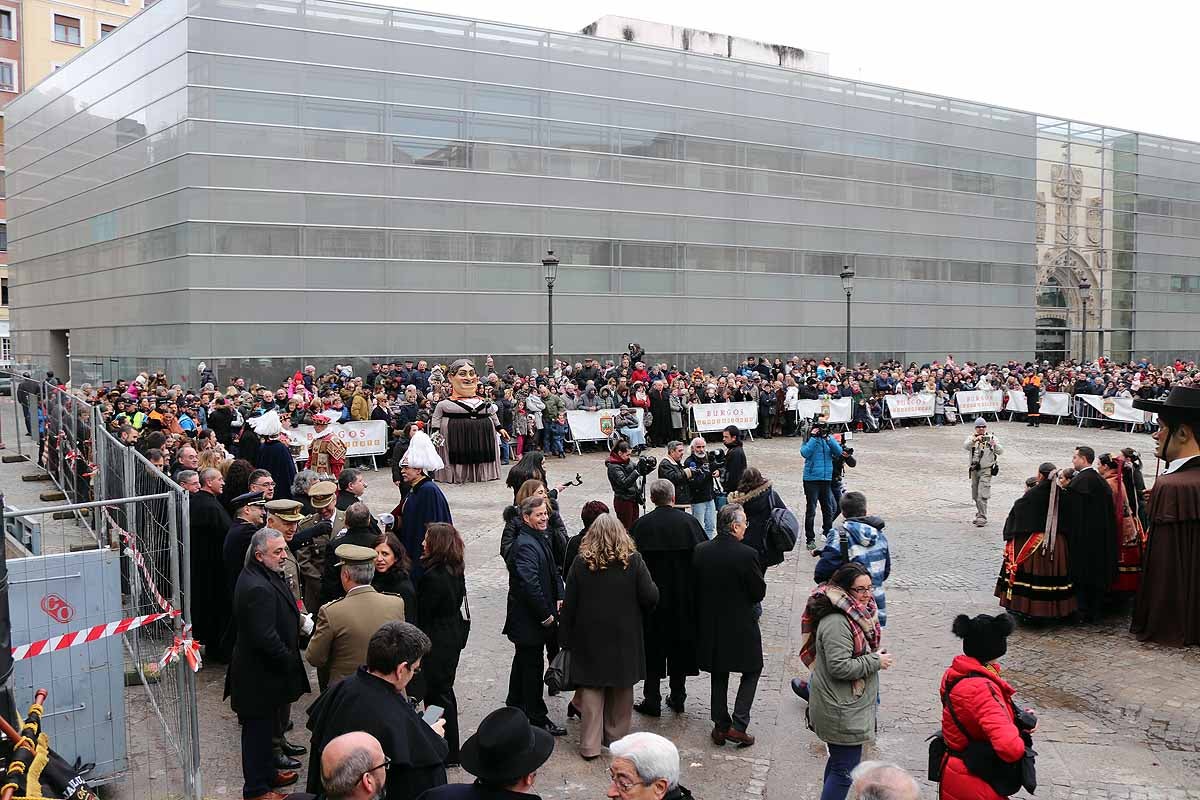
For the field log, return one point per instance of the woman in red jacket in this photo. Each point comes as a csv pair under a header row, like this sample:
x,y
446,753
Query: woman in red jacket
x,y
982,705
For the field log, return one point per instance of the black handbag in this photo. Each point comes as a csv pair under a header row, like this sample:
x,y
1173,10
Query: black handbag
x,y
558,674
1005,778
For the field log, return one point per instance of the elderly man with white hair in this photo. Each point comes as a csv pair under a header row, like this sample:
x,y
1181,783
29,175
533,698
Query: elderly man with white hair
x,y
879,780
645,766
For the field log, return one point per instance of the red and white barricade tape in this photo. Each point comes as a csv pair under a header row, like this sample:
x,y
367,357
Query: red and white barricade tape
x,y
94,633
187,647
131,547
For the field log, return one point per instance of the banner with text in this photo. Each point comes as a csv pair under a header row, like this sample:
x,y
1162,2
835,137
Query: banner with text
x,y
1054,404
711,417
1118,408
832,409
907,406
365,438
978,402
588,426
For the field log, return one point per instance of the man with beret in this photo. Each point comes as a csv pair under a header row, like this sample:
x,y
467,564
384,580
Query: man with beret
x,y
504,756
1166,610
249,511
345,626
311,557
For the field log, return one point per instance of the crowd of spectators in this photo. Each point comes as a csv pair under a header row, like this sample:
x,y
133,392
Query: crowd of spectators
x,y
531,406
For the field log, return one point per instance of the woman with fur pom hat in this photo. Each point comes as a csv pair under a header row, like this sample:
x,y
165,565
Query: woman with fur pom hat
x,y
978,712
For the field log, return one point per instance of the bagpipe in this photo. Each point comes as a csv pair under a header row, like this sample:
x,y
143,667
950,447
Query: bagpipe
x,y
32,767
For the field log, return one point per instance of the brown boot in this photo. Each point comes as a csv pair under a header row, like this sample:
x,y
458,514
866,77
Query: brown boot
x,y
742,738
284,778
718,734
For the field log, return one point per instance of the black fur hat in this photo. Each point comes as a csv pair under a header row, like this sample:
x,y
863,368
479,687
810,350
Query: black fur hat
x,y
984,637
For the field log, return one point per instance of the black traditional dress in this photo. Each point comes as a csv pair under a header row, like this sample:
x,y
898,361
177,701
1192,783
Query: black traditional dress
x,y
471,446
1035,579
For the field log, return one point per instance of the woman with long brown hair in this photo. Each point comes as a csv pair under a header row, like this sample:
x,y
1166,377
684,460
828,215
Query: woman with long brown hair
x,y
393,573
609,590
445,618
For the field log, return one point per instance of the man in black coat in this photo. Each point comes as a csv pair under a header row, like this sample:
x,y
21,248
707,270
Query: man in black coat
x,y
361,529
504,756
1091,529
666,538
660,408
672,469
265,671
535,593
251,511
208,525
374,700
735,458
729,592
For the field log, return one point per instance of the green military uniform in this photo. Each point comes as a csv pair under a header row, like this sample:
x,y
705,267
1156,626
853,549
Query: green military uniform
x,y
311,558
345,626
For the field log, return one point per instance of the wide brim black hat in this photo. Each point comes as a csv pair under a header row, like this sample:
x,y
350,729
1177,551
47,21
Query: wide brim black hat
x,y
1182,401
505,747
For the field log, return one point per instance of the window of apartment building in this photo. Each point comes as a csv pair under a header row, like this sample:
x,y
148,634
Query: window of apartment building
x,y
3,236
106,29
8,30
6,349
67,30
8,76
3,291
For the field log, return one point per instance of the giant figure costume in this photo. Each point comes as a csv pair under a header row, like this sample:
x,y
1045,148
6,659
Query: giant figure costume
x,y
466,430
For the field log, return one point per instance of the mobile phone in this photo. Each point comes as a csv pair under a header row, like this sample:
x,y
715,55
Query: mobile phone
x,y
432,714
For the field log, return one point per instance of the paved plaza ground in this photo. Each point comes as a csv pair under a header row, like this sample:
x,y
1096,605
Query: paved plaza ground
x,y
1119,719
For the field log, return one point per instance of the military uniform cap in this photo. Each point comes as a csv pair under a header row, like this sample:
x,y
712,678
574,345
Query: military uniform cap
x,y
321,493
353,554
286,510
247,499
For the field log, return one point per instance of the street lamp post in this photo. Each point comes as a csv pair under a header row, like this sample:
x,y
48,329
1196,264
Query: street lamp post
x,y
550,271
848,286
1084,287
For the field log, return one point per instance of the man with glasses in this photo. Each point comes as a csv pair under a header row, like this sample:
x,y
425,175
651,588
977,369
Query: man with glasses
x,y
261,481
374,700
645,766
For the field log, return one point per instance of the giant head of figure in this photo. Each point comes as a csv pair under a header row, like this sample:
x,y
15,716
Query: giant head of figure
x,y
464,382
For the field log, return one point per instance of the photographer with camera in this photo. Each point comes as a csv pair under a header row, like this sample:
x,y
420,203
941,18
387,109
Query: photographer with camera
x,y
819,451
846,459
628,480
679,474
984,465
704,466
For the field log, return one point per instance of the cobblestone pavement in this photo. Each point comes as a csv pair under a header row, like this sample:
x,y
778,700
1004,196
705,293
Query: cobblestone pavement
x,y
1118,719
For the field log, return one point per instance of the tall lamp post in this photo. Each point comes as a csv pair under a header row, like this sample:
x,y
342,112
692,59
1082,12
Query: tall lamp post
x,y
1084,287
848,286
550,271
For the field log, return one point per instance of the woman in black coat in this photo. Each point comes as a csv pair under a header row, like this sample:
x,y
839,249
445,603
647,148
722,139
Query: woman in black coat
x,y
393,573
609,590
445,618
758,499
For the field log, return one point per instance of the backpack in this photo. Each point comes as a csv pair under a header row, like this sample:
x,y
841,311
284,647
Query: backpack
x,y
782,530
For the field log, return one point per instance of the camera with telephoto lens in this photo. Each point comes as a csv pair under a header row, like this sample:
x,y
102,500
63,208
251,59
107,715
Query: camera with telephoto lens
x,y
646,465
818,427
716,458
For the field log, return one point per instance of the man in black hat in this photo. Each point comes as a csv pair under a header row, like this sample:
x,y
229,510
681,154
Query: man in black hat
x,y
503,755
1166,610
250,514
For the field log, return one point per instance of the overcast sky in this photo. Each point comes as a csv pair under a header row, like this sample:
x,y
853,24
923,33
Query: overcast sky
x,y
1121,64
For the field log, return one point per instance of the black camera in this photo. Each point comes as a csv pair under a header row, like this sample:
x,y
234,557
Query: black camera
x,y
847,450
1025,719
716,458
818,427
646,465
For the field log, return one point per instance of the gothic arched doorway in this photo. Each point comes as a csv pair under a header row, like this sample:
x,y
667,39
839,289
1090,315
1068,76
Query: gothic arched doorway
x,y
1059,300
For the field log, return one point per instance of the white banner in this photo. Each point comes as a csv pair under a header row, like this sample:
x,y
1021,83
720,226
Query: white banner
x,y
365,438
905,406
715,416
978,402
834,409
588,426
1118,408
1054,404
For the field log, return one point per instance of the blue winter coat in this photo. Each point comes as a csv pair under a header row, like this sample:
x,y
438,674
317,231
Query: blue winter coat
x,y
818,455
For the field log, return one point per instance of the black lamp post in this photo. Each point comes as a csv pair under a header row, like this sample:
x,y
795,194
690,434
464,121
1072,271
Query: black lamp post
x,y
848,286
1084,287
550,271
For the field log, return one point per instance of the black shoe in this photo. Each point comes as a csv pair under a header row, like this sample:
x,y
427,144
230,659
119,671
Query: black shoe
x,y
282,762
648,709
675,703
573,711
291,749
287,728
810,544
554,730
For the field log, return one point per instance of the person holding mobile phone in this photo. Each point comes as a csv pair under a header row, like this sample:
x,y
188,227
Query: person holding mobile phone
x,y
444,615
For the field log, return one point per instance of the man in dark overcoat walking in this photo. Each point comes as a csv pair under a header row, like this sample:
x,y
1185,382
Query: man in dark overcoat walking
x,y
729,592
265,671
666,538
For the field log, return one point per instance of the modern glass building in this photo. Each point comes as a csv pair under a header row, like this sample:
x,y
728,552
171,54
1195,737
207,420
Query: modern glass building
x,y
262,184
